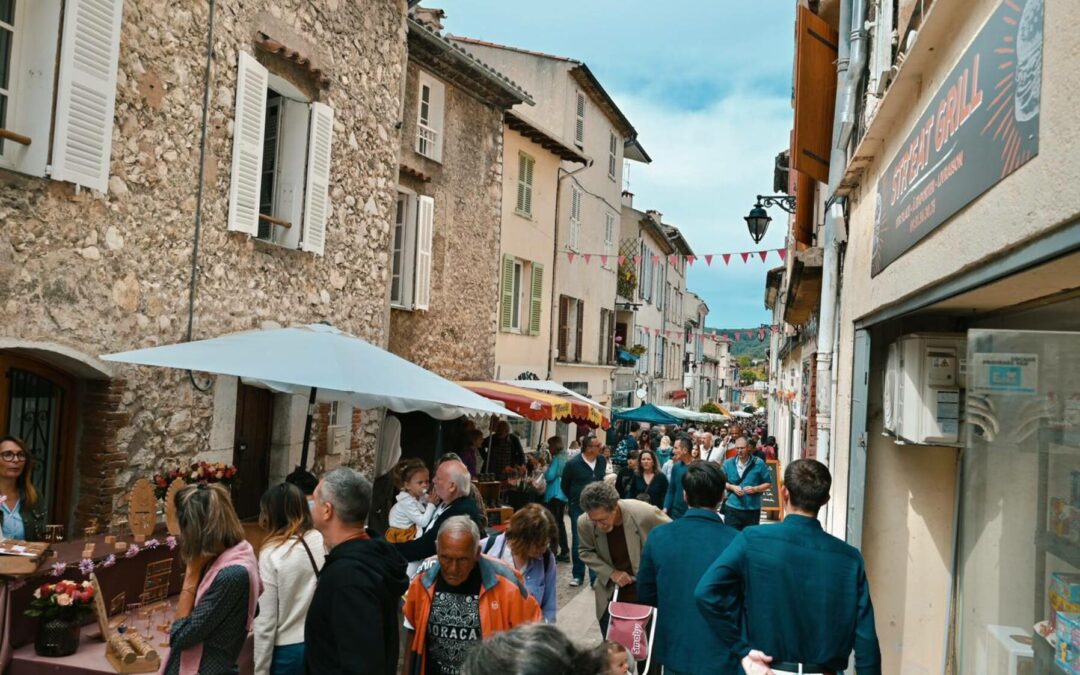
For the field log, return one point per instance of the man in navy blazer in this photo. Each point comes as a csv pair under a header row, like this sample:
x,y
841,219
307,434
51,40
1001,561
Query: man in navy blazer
x,y
675,558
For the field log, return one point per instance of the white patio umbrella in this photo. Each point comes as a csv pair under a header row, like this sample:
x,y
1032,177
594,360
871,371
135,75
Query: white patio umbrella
x,y
317,357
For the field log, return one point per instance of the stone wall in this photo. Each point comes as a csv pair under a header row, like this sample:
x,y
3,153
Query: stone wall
x,y
107,272
456,336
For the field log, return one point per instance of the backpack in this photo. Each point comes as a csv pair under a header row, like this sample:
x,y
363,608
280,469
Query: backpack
x,y
620,457
491,544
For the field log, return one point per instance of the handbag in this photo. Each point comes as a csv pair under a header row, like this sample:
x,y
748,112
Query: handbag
x,y
311,557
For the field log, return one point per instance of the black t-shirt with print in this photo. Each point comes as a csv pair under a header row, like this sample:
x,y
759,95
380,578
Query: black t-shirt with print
x,y
454,624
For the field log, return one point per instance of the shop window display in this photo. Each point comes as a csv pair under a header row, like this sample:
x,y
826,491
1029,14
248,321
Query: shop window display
x,y
1019,535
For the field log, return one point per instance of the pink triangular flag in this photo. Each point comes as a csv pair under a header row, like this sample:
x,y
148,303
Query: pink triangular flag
x,y
782,252
673,260
570,256
763,254
690,260
637,260
745,256
655,259
587,257
622,259
708,259
727,257
603,260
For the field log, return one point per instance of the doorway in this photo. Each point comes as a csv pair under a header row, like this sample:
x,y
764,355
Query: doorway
x,y
37,406
251,448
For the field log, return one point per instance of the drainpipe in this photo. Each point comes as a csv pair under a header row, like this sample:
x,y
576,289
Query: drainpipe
x,y
851,59
553,324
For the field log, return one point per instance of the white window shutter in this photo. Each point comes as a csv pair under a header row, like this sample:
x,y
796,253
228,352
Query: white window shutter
x,y
248,128
317,190
86,92
425,230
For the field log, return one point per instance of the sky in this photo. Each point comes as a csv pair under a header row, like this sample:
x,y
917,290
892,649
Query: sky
x,y
707,87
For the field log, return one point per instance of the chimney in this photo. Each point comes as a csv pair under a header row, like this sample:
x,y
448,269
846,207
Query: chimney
x,y
655,215
430,17
628,198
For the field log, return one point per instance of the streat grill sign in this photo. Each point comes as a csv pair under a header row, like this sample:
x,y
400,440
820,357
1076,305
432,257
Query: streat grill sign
x,y
982,124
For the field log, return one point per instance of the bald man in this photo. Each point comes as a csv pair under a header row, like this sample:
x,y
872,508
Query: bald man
x,y
451,486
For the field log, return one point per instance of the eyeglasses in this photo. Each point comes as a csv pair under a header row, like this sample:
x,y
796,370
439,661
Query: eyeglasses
x,y
10,456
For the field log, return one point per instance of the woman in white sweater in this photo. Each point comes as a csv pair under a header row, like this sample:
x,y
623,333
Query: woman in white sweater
x,y
289,562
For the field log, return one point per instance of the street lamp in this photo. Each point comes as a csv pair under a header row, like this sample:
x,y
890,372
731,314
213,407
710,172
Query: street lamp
x,y
758,220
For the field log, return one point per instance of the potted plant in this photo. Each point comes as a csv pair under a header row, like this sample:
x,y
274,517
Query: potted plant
x,y
196,472
59,609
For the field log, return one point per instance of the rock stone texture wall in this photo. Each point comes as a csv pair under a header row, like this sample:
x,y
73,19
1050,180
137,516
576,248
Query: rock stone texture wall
x,y
107,272
456,336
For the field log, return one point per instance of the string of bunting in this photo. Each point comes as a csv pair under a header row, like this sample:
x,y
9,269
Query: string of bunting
x,y
571,256
729,335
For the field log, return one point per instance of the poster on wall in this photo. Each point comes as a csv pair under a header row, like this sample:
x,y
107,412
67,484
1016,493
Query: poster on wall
x,y
995,373
980,126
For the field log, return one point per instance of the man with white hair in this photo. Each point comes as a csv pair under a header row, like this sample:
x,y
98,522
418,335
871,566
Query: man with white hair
x,y
451,487
458,599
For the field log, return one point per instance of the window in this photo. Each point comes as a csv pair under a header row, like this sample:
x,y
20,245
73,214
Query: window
x,y
658,364
525,184
410,269
579,121
609,233
645,284
571,328
514,285
80,57
280,185
575,216
643,360
613,155
607,337
429,121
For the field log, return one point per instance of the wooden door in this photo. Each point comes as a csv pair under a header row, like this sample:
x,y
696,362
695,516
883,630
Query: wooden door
x,y
251,448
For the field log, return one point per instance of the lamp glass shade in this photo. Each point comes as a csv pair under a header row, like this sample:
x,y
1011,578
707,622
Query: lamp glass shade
x,y
757,222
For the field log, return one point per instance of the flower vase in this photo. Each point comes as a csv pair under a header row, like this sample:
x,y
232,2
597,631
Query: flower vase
x,y
57,637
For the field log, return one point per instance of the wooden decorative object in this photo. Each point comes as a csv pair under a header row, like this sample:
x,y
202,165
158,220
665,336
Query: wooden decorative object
x,y
110,539
140,539
54,533
172,521
21,557
142,508
120,546
156,584
127,652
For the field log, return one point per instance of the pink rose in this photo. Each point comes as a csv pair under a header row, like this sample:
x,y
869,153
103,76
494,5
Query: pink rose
x,y
64,600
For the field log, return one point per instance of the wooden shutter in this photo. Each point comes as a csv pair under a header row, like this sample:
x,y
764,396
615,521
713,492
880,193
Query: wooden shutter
x,y
506,308
317,190
579,121
580,331
425,230
802,226
536,298
603,338
611,337
564,327
815,94
86,92
248,129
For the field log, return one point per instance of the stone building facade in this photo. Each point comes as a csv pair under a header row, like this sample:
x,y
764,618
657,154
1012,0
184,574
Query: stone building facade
x,y
444,293
84,272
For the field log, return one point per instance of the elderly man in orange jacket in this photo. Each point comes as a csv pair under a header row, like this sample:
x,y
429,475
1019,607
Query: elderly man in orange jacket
x,y
457,599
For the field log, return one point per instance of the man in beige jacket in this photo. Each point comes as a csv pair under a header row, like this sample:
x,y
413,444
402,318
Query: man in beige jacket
x,y
613,533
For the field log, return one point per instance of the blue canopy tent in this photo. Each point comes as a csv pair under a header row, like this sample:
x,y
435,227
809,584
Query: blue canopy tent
x,y
646,413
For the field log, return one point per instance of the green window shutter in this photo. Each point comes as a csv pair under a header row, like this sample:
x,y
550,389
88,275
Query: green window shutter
x,y
537,298
507,308
529,161
525,183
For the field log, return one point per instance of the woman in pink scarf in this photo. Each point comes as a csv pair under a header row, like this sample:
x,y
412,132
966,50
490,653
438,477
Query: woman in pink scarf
x,y
221,585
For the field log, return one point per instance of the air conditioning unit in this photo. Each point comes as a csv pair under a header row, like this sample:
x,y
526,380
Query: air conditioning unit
x,y
925,377
339,438
890,389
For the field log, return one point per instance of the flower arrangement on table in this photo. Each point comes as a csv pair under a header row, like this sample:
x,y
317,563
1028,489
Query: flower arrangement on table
x,y
64,600
197,472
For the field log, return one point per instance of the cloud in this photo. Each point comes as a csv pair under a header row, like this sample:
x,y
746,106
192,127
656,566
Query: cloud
x,y
707,167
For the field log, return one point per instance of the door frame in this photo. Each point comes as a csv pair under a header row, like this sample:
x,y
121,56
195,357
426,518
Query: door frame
x,y
238,428
59,507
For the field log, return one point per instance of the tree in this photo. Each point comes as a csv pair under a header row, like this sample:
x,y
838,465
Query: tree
x,y
744,361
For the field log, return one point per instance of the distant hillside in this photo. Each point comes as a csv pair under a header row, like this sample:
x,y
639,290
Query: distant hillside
x,y
754,348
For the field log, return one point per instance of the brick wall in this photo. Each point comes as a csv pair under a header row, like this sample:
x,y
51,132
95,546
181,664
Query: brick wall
x,y
101,459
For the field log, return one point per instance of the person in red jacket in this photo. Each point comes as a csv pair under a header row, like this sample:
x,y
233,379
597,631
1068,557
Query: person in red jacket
x,y
457,599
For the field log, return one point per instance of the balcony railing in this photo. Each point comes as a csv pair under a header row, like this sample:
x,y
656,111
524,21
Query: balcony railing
x,y
427,142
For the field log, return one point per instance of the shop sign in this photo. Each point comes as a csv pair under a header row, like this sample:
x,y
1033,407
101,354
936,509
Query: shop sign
x,y
980,126
996,373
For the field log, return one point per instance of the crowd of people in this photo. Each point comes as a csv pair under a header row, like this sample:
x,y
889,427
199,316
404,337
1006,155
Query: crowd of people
x,y
341,584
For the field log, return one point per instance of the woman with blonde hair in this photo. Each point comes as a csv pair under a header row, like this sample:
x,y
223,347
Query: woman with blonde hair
x,y
22,515
290,559
221,585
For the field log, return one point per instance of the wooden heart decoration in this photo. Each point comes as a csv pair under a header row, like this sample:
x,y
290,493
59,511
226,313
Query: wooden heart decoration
x,y
172,520
142,508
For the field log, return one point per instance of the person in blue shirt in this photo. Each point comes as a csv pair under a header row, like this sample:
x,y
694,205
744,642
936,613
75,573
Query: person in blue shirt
x,y
675,501
22,513
747,479
674,559
554,497
791,597
588,466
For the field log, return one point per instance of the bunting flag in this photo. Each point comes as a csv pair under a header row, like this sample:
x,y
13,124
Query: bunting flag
x,y
763,254
603,260
673,259
637,260
570,256
656,260
745,256
690,259
708,259
622,259
727,257
587,257
782,252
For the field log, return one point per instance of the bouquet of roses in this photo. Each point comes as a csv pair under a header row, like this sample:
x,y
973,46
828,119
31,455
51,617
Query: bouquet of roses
x,y
65,600
197,472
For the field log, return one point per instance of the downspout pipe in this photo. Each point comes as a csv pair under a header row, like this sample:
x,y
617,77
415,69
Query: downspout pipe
x,y
851,59
559,176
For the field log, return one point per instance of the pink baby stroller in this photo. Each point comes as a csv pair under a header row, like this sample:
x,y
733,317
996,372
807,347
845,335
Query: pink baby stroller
x,y
634,627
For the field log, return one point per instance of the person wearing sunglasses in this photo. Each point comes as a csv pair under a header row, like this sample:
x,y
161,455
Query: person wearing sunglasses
x,y
22,513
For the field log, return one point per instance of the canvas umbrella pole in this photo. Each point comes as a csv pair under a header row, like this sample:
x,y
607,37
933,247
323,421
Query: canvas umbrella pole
x,y
307,430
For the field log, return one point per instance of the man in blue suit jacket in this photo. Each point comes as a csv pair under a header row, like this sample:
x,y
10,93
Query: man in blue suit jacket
x,y
675,500
791,597
674,559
